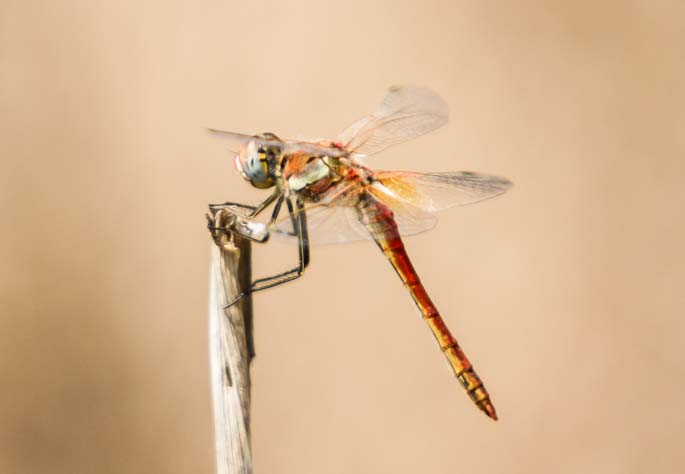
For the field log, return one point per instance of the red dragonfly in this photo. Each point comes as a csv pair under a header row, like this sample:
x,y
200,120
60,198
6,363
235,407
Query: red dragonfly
x,y
332,196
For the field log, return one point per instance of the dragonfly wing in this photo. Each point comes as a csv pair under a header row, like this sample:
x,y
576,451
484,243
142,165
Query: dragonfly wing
x,y
290,146
325,225
410,218
405,113
334,224
434,192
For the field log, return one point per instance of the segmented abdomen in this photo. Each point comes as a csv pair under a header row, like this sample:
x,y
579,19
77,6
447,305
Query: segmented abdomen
x,y
379,220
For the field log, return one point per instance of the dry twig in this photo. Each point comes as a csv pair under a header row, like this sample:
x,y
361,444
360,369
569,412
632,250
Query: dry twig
x,y
230,342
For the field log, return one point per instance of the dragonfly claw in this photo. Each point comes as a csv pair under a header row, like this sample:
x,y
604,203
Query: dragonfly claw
x,y
233,206
237,300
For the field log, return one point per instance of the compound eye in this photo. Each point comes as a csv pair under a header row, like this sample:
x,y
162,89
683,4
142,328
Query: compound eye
x,y
257,168
256,164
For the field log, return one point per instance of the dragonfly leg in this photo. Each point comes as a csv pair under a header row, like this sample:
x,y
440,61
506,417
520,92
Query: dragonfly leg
x,y
299,221
254,210
293,219
229,204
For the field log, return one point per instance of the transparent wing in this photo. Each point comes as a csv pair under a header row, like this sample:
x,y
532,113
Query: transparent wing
x,y
413,197
406,112
325,225
434,192
289,146
334,224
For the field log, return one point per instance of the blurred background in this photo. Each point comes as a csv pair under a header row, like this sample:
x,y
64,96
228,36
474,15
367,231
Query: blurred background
x,y
566,293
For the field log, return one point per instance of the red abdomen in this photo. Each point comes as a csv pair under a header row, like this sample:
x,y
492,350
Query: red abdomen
x,y
379,220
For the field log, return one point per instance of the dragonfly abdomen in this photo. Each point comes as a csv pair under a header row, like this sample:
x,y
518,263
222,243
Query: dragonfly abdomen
x,y
378,219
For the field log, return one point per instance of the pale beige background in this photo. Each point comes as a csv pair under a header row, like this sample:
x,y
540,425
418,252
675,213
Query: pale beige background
x,y
567,293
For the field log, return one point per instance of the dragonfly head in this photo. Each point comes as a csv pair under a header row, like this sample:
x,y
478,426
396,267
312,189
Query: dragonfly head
x,y
257,161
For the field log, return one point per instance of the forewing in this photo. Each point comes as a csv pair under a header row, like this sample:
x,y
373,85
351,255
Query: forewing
x,y
406,112
434,192
288,146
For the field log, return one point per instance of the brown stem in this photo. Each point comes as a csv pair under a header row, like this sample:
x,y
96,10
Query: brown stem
x,y
231,343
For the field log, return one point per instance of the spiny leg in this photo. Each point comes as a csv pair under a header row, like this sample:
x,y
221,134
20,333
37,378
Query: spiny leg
x,y
299,222
293,219
254,210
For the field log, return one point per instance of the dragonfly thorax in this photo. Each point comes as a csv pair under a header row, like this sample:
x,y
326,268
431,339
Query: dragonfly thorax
x,y
258,163
311,176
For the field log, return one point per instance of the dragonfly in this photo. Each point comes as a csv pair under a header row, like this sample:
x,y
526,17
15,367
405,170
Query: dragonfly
x,y
332,196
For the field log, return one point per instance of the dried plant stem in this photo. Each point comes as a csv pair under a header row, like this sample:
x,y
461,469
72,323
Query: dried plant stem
x,y
231,346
